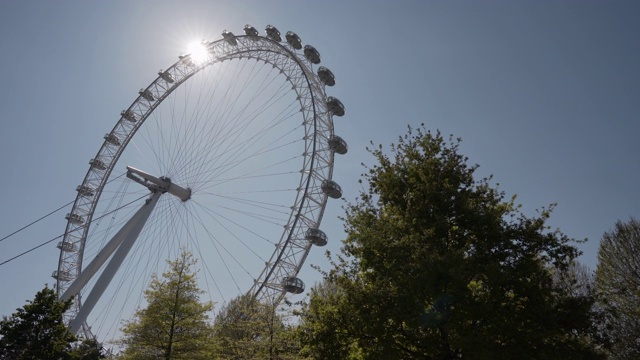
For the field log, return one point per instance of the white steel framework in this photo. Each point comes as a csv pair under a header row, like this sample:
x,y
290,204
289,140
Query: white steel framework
x,y
306,212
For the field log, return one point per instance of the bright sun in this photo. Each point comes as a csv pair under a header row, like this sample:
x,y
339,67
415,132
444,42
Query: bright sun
x,y
198,51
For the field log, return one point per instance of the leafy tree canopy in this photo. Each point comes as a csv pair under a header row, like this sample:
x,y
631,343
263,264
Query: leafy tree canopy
x,y
618,283
37,330
440,265
175,324
246,329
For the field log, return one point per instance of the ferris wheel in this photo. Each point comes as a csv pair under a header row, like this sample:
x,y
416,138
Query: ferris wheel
x,y
228,154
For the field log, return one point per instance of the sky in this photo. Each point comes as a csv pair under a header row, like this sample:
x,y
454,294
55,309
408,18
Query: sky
x,y
544,94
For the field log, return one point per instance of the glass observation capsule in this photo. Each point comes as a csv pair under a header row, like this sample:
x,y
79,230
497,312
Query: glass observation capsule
x,y
326,76
250,30
338,145
335,106
293,40
229,38
293,285
316,236
312,54
273,33
332,189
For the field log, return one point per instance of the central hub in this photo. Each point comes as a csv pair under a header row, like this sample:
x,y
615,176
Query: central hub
x,y
162,184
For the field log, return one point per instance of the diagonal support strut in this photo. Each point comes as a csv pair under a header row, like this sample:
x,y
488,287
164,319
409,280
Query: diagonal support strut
x,y
121,243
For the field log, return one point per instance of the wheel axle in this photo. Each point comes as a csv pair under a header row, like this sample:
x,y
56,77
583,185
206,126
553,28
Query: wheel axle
x,y
162,184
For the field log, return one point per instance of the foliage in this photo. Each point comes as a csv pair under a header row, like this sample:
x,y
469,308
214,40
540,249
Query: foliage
x,y
578,281
246,329
175,324
37,330
618,283
88,349
326,321
438,265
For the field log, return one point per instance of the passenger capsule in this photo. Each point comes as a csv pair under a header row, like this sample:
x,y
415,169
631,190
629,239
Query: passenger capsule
x,y
229,37
293,285
338,145
335,106
129,115
85,190
251,31
74,219
166,76
294,40
66,246
273,33
316,237
146,94
97,164
186,59
312,54
326,76
112,139
331,188
62,275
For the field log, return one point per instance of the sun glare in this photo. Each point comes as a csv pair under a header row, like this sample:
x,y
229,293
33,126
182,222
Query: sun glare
x,y
198,51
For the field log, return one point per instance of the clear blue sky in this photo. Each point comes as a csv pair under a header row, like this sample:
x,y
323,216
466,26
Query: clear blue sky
x,y
545,95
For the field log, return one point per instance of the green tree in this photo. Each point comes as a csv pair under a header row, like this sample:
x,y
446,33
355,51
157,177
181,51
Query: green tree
x,y
618,284
37,330
175,324
88,349
578,281
246,329
439,265
326,323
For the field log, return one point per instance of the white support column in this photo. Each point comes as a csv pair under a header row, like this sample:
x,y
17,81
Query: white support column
x,y
102,256
123,241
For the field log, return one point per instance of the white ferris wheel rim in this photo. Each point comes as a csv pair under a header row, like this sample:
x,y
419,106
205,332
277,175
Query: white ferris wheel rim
x,y
315,180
